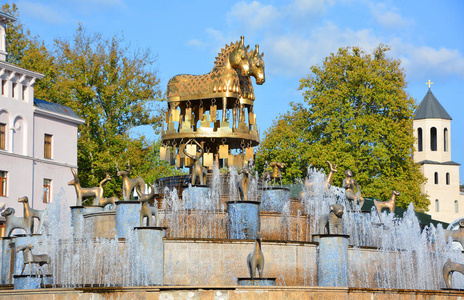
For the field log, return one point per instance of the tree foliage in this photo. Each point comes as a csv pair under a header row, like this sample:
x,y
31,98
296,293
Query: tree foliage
x,y
358,115
107,83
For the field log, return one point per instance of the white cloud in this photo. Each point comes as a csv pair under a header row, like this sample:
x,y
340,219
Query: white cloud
x,y
388,17
425,60
304,7
255,15
42,12
294,54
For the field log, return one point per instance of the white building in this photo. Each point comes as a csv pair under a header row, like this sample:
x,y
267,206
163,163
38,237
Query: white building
x,y
38,139
432,130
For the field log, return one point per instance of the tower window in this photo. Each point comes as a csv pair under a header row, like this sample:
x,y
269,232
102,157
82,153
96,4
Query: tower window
x,y
436,177
437,205
433,139
456,206
419,139
445,139
13,90
447,178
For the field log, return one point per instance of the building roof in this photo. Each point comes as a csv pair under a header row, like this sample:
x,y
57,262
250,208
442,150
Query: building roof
x,y
431,162
430,108
55,107
5,18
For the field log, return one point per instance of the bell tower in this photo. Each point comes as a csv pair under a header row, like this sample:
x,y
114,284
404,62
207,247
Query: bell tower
x,y
432,130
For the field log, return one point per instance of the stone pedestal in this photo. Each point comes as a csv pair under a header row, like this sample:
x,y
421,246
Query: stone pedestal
x,y
8,258
243,222
194,197
148,265
274,198
332,260
31,282
256,281
127,217
77,219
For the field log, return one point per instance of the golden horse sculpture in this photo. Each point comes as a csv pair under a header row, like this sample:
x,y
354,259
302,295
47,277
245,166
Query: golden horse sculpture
x,y
246,85
222,82
222,79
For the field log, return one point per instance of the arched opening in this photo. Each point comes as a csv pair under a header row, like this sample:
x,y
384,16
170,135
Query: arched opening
x,y
447,178
437,205
433,139
419,139
445,139
456,206
435,177
19,142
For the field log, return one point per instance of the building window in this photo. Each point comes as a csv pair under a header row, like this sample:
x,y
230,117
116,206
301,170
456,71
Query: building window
x,y
445,139
436,177
419,139
48,146
47,190
437,205
24,92
3,87
433,139
448,178
13,94
3,182
456,206
2,136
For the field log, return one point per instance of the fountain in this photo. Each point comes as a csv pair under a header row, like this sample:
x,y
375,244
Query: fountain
x,y
320,243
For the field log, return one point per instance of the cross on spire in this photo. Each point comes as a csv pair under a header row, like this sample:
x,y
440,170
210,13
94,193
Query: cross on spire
x,y
429,83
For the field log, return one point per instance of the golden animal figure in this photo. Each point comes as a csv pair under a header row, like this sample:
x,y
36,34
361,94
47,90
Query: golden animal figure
x,y
30,258
390,204
197,171
456,235
352,190
147,211
222,81
128,184
82,192
30,214
13,222
255,260
448,269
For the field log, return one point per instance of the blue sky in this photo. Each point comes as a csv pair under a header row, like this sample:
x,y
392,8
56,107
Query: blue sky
x,y
186,35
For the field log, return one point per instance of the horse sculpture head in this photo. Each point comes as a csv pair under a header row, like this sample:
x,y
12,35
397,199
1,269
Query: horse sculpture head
x,y
238,58
257,65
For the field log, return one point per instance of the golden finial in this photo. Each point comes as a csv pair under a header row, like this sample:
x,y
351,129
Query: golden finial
x,y
429,83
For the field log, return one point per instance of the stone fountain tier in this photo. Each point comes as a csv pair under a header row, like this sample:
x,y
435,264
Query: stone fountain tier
x,y
204,224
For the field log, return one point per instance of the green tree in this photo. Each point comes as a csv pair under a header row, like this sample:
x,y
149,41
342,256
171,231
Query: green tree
x,y
113,87
358,115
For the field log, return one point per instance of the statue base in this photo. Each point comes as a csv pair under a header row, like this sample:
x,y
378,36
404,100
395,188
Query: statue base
x,y
148,267
332,260
271,281
194,196
31,282
273,198
243,221
127,217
